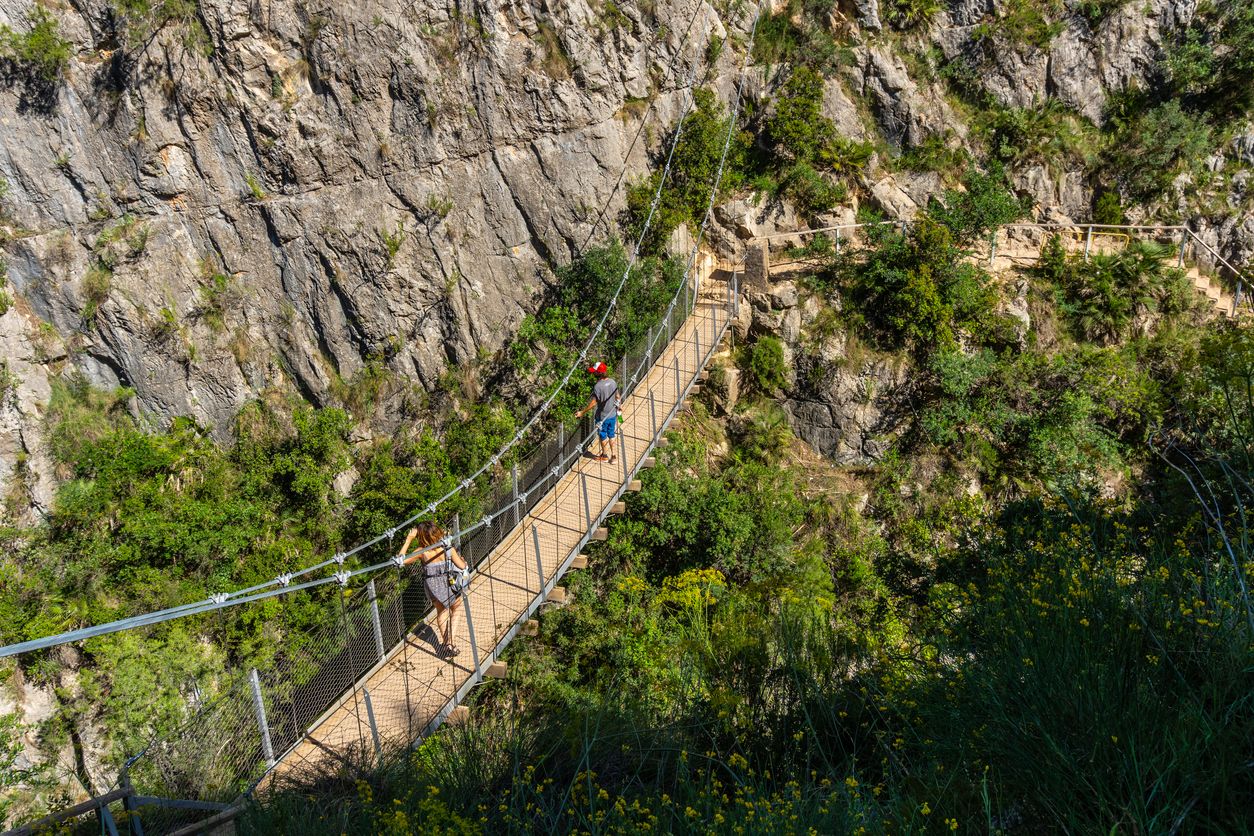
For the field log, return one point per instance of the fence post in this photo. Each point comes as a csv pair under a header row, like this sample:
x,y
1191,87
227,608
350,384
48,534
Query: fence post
x,y
259,706
1088,243
587,503
648,354
374,728
374,619
1236,300
1184,237
470,625
696,335
515,505
652,413
678,395
535,539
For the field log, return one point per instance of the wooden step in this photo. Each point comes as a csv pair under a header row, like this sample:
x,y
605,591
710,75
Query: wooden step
x,y
530,627
579,561
649,461
634,486
663,442
496,670
557,595
601,534
618,508
458,715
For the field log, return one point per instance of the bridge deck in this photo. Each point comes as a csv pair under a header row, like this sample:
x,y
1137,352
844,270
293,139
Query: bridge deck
x,y
413,685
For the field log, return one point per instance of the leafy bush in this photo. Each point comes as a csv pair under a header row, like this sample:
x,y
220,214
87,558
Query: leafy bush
x,y
1151,147
1108,210
984,204
768,371
911,14
1049,134
41,49
686,195
917,290
1101,297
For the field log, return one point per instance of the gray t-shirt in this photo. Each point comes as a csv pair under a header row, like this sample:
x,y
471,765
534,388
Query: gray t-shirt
x,y
604,392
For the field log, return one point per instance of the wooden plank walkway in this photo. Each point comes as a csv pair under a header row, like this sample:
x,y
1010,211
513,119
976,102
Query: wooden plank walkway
x,y
413,689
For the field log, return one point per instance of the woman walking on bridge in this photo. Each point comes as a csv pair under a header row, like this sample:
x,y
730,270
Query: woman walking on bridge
x,y
438,562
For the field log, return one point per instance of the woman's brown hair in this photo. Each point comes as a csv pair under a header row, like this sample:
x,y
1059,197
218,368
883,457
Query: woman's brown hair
x,y
428,533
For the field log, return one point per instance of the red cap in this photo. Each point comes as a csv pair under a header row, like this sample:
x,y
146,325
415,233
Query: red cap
x,y
598,368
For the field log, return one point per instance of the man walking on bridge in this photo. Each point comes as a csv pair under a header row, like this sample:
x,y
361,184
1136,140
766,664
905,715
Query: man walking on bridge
x,y
605,400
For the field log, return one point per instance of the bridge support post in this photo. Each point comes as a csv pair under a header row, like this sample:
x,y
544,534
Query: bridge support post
x,y
470,625
374,727
535,539
259,706
374,619
515,505
587,503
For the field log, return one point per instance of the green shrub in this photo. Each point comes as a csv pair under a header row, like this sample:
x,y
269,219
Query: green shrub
x,y
41,49
766,366
1108,210
686,195
985,203
911,14
1151,147
1101,297
811,193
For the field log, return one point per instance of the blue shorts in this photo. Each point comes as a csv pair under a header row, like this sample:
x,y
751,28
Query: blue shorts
x,y
606,428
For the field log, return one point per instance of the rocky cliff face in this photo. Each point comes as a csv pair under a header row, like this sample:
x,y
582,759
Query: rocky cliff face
x,y
271,195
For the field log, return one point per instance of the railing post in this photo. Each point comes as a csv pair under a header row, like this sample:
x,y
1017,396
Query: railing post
x,y
622,454
515,505
470,625
374,727
648,354
678,394
1088,243
696,335
587,503
623,374
1184,237
1236,300
374,619
259,706
535,539
652,413
838,241
561,440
